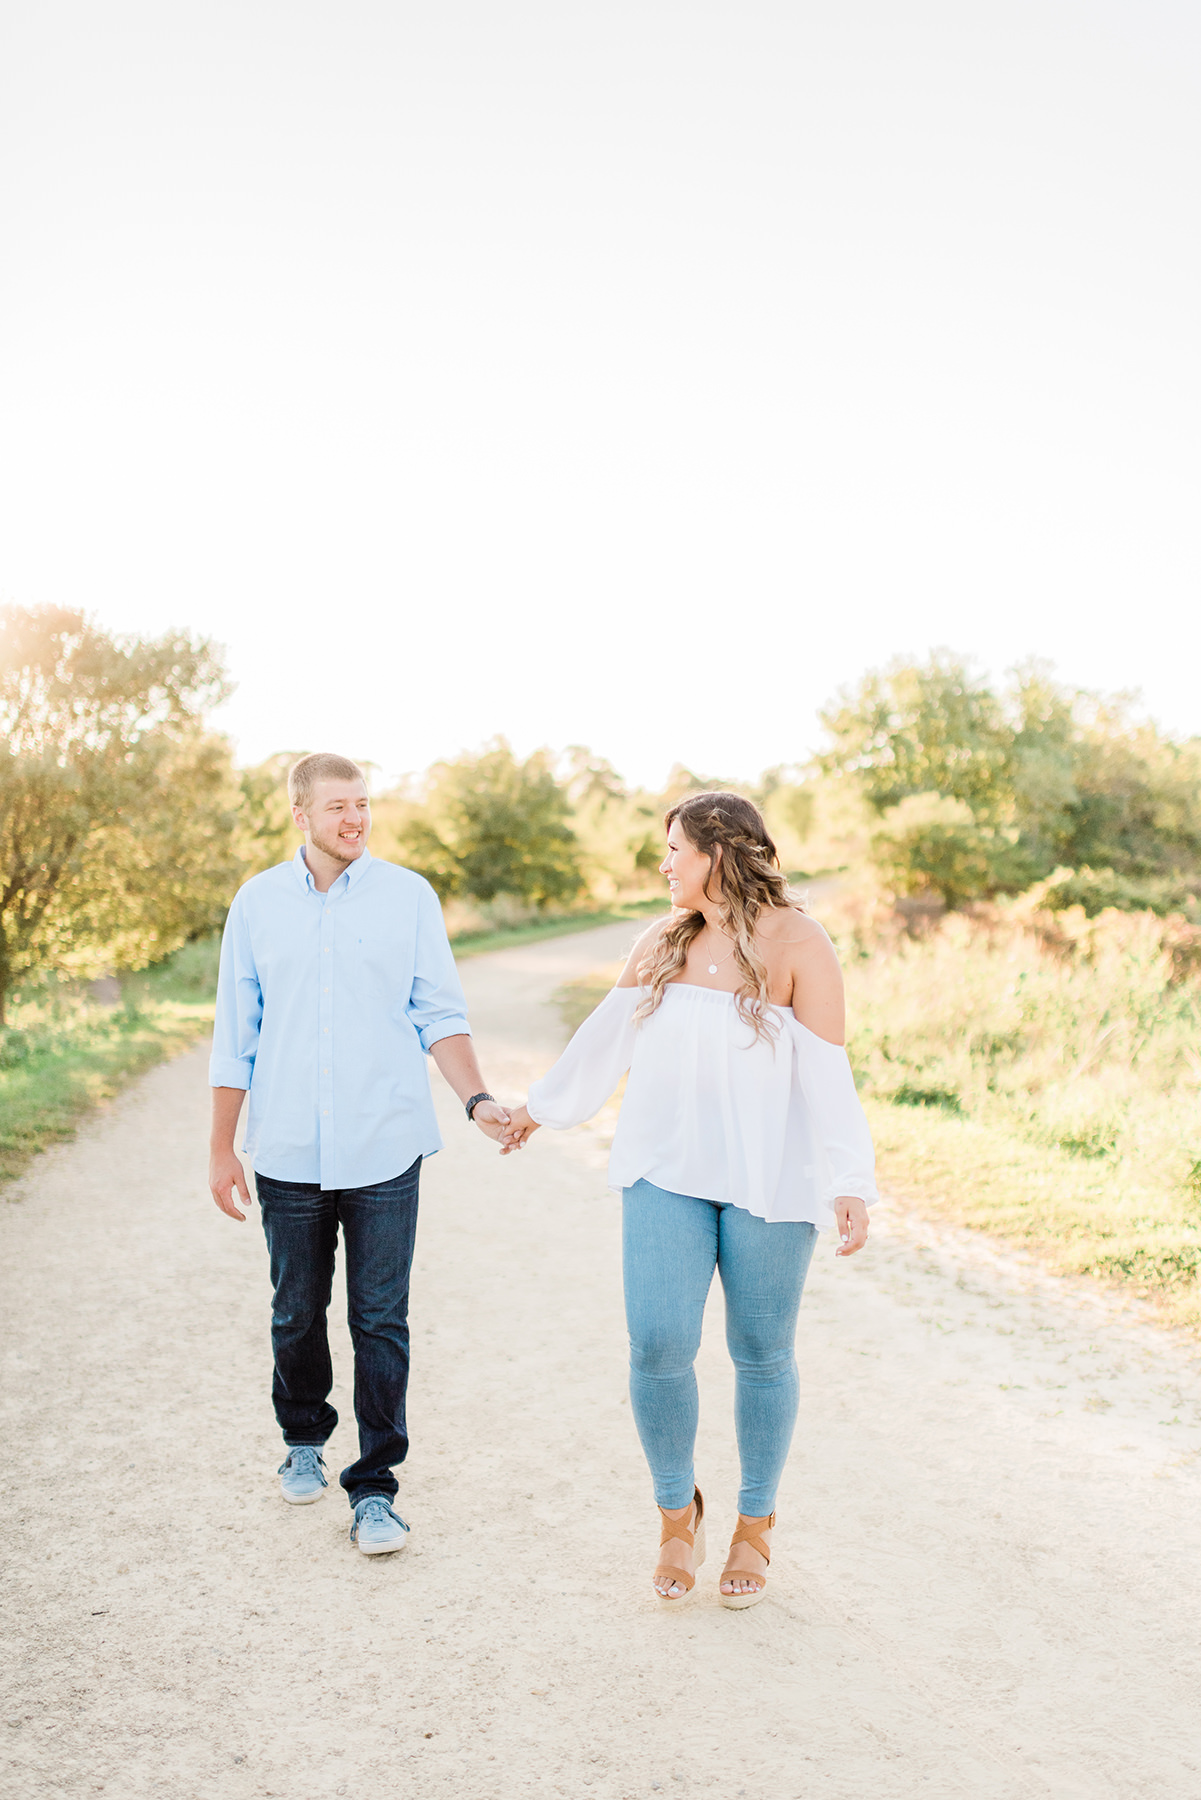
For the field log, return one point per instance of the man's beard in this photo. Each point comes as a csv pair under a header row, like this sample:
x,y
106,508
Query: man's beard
x,y
333,846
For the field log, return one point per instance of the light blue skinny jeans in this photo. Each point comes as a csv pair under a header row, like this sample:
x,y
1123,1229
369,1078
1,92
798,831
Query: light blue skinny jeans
x,y
671,1244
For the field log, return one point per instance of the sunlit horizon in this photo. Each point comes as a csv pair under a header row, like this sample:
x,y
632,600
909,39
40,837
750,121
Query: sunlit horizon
x,y
633,377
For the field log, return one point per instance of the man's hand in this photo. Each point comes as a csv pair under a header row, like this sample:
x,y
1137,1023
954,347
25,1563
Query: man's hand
x,y
521,1128
851,1213
227,1177
492,1119
226,1174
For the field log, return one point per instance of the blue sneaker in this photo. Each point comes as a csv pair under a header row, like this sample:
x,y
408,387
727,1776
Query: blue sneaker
x,y
377,1529
301,1480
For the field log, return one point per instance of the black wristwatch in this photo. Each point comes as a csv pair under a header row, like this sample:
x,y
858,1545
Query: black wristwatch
x,y
475,1100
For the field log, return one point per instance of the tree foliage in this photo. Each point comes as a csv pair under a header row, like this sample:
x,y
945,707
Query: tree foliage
x,y
922,729
978,792
490,825
266,832
620,829
116,806
932,843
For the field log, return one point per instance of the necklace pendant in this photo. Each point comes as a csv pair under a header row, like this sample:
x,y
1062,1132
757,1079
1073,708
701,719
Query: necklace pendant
x,y
713,968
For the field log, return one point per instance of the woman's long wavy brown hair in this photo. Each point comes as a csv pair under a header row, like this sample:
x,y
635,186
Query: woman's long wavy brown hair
x,y
744,880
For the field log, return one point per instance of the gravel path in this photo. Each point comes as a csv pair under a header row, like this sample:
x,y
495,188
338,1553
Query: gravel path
x,y
986,1580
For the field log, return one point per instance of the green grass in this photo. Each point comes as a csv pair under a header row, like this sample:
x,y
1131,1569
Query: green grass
x,y
62,1053
475,943
576,999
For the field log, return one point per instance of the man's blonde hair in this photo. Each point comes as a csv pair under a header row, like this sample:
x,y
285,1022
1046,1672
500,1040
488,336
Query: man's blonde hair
x,y
322,765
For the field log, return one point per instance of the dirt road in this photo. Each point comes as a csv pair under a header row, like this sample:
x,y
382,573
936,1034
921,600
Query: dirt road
x,y
987,1572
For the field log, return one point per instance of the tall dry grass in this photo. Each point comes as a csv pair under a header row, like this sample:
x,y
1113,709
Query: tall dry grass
x,y
1040,1077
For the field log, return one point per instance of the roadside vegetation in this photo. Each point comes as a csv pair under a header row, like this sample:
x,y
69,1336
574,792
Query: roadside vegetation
x,y
1012,875
1038,1076
65,1048
474,943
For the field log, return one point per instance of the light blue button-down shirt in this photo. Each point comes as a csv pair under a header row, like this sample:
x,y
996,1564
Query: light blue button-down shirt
x,y
326,1006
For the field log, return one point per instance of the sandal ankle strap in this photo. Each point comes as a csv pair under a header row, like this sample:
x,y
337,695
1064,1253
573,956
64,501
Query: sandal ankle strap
x,y
748,1533
679,1528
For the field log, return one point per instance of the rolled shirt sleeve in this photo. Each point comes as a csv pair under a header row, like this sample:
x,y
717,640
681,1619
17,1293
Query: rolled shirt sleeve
x,y
436,1008
239,1010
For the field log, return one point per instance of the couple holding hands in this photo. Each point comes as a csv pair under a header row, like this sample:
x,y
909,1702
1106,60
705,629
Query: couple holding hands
x,y
740,1134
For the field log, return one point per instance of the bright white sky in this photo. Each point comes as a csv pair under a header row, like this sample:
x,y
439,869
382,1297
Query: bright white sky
x,y
630,372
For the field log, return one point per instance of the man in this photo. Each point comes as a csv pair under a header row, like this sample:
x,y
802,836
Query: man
x,y
336,980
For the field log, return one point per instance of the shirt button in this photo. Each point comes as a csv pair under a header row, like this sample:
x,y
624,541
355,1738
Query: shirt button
x,y
325,1112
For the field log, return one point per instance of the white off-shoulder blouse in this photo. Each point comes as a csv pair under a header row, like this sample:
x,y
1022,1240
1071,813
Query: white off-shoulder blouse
x,y
713,1111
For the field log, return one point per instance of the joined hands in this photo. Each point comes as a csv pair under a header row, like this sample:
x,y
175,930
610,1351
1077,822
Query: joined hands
x,y
508,1127
518,1132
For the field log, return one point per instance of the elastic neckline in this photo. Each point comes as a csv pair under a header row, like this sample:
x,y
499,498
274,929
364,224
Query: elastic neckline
x,y
698,987
786,1012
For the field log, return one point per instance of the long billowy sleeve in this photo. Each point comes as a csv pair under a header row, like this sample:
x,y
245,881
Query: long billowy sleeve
x,y
591,1066
842,1129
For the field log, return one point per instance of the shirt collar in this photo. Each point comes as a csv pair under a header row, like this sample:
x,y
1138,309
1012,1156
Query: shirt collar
x,y
352,873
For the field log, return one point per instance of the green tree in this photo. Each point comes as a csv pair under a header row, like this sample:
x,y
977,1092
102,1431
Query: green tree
x,y
933,844
980,793
931,728
490,825
116,806
1102,793
1135,807
266,832
931,750
608,822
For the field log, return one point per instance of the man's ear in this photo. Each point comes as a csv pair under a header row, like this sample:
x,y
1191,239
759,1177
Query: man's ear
x,y
299,820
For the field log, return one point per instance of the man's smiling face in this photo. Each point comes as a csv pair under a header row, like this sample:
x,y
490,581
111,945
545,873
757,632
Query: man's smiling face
x,y
338,819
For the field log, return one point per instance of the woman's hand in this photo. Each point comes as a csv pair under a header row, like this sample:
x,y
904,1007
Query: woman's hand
x,y
520,1128
851,1213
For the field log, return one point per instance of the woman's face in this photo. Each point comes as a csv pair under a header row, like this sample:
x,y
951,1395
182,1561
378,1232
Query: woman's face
x,y
686,869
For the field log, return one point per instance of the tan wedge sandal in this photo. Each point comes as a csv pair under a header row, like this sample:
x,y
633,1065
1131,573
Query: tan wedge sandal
x,y
748,1532
695,1538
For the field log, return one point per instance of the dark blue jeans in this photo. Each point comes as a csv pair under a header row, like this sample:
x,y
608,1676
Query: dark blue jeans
x,y
379,1225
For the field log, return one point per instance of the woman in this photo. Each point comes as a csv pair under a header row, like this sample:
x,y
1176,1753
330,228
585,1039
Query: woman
x,y
740,1134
